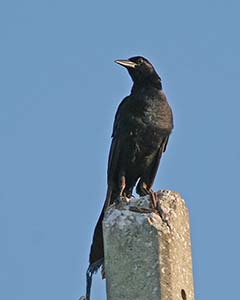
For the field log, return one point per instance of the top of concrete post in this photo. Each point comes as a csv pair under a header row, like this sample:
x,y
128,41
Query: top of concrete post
x,y
148,254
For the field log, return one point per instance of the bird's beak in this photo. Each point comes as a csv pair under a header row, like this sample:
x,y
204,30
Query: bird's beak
x,y
126,63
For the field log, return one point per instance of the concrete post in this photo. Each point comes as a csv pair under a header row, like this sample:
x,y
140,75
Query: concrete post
x,y
148,255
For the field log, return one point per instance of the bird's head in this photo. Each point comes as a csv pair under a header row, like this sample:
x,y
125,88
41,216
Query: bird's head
x,y
140,70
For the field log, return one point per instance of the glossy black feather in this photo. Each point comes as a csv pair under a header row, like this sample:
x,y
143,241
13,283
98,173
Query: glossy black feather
x,y
141,130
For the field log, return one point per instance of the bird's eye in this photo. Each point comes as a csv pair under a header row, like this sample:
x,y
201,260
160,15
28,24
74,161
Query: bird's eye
x,y
140,60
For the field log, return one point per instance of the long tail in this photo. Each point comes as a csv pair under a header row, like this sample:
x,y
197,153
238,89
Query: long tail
x,y
96,256
90,271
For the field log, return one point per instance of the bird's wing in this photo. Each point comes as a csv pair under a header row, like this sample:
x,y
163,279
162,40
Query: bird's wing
x,y
113,158
155,163
119,113
115,148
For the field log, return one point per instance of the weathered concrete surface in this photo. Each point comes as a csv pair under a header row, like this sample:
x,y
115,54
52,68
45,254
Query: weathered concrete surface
x,y
148,256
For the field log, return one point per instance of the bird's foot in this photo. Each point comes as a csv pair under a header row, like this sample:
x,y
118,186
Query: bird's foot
x,y
144,189
121,201
141,210
154,199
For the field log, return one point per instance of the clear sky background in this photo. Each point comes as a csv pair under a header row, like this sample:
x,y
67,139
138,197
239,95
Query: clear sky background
x,y
59,92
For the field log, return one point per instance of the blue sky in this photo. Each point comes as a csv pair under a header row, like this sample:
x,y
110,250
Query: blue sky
x,y
59,92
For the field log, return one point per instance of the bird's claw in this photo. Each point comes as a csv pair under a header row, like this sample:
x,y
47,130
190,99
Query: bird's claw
x,y
154,200
142,210
120,201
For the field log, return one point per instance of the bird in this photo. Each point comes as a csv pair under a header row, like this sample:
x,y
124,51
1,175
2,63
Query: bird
x,y
141,130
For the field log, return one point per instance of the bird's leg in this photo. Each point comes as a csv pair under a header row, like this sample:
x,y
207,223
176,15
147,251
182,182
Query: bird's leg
x,y
122,185
143,189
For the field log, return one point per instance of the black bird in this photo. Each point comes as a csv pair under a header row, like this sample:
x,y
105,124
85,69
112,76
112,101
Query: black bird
x,y
141,129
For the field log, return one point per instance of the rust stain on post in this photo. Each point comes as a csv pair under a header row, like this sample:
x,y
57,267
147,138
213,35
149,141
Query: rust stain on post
x,y
147,255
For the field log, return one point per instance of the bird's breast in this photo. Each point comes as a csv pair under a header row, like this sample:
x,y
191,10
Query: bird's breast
x,y
157,114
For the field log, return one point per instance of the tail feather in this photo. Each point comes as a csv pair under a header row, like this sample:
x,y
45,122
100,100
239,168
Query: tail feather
x,y
96,256
90,271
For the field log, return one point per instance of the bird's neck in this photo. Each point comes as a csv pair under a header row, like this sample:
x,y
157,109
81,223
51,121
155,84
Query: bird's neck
x,y
157,84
